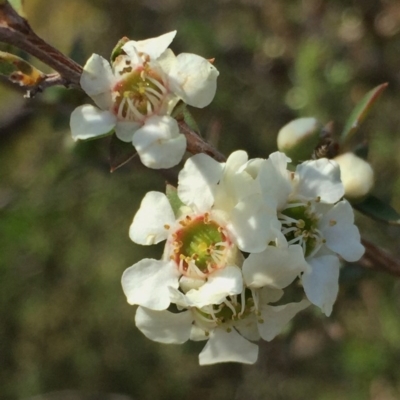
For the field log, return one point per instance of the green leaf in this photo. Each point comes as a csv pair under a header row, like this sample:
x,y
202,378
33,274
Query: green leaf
x,y
117,50
19,71
18,6
172,196
120,153
181,113
379,210
361,111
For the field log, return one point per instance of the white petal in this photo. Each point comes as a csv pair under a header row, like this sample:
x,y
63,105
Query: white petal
x,y
226,346
250,224
341,235
125,130
153,47
274,267
320,178
220,284
164,326
236,183
194,79
269,295
149,224
88,122
147,283
321,284
97,80
275,318
275,181
247,327
159,143
197,181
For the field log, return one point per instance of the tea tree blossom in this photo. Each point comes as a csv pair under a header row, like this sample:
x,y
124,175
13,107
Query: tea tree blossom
x,y
203,236
137,93
314,217
229,327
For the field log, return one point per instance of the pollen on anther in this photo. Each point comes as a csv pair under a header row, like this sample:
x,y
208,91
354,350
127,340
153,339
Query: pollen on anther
x,y
166,226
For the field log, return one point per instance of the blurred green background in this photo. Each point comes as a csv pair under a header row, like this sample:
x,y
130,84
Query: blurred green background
x,y
66,331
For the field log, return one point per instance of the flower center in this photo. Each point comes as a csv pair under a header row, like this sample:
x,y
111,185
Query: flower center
x,y
233,309
200,247
300,226
139,94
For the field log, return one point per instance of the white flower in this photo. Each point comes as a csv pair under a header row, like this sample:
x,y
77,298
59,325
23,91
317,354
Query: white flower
x,y
201,254
228,327
314,217
137,94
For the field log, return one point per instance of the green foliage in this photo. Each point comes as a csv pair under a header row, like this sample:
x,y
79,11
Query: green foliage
x,y
379,210
360,112
174,200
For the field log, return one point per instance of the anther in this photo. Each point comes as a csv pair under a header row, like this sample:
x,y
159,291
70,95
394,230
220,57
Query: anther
x,y
166,226
332,222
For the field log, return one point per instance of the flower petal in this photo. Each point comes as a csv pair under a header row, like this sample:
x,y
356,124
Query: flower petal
x,y
320,178
148,225
275,318
197,181
341,235
147,283
275,181
88,122
321,284
153,47
159,143
194,79
220,284
164,326
125,130
250,224
97,80
274,267
247,327
226,346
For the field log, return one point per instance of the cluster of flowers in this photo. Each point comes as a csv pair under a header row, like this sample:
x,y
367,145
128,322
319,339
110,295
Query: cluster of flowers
x,y
293,225
237,233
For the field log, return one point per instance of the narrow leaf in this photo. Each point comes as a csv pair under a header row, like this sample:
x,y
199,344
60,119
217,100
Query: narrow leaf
x,y
19,71
172,196
379,210
361,111
181,113
120,153
117,50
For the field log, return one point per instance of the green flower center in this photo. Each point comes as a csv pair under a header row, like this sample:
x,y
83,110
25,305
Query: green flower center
x,y
300,226
139,94
200,247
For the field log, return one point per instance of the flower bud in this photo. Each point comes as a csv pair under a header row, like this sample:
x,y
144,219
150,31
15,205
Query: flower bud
x,y
298,138
357,176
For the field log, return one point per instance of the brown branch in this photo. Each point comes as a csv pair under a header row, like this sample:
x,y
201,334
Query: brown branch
x,y
196,144
378,259
16,31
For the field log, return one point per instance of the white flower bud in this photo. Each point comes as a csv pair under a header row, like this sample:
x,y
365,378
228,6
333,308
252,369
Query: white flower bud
x,y
357,176
298,138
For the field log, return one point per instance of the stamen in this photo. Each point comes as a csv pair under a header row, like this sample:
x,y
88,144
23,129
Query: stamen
x,y
158,84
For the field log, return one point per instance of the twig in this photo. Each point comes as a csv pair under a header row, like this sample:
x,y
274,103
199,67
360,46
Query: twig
x,y
16,31
378,259
195,144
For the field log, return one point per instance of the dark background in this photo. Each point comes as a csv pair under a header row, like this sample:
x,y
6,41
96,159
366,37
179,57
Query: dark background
x,y
65,326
